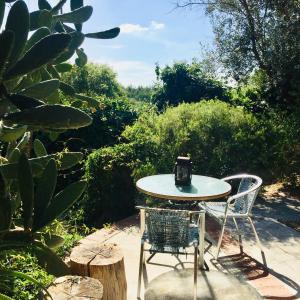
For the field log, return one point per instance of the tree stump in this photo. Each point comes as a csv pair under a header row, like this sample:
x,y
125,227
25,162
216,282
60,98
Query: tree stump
x,y
76,288
104,262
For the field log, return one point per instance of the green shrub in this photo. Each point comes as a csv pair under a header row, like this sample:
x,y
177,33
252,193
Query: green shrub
x,y
221,140
110,194
20,289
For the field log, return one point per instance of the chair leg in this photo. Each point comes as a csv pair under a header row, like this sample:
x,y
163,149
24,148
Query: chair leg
x,y
150,257
221,237
140,270
201,226
195,272
258,241
239,234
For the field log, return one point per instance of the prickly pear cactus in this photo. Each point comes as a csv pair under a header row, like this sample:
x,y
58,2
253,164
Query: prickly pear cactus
x,y
34,50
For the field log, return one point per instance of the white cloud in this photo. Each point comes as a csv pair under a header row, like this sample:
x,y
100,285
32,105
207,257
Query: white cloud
x,y
137,28
132,28
157,26
132,72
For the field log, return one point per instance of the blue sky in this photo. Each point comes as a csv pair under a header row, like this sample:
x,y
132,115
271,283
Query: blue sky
x,y
151,32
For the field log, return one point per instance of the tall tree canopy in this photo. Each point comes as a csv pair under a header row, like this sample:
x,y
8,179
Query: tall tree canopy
x,y
183,82
264,34
94,79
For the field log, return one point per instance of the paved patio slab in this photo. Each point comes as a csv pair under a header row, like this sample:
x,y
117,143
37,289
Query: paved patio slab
x,y
281,280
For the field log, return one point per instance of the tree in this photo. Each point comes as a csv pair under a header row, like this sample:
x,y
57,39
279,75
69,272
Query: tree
x,y
94,79
262,34
140,93
183,82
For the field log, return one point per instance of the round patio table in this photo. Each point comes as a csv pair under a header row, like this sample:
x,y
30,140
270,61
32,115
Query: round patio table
x,y
202,188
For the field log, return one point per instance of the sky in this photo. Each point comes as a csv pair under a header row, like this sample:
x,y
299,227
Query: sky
x,y
151,32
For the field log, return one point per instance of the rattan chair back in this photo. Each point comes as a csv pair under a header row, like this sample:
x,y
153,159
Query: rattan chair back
x,y
167,228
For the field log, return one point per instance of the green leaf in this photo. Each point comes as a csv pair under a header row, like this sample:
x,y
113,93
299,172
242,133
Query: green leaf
x,y
50,261
91,101
46,257
52,70
76,41
45,74
44,192
51,117
44,4
14,156
64,56
6,42
58,6
67,89
108,34
82,58
64,67
10,171
37,36
53,241
65,160
62,201
59,27
39,148
24,102
40,18
10,134
3,297
25,182
53,98
2,10
79,15
18,22
42,53
42,89
23,143
74,4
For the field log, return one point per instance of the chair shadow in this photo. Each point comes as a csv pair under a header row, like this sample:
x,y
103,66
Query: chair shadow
x,y
173,267
243,265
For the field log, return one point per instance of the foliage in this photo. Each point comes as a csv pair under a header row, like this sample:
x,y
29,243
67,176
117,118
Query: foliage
x,y
17,288
69,230
30,68
140,93
183,82
219,138
259,34
109,120
252,94
110,193
94,80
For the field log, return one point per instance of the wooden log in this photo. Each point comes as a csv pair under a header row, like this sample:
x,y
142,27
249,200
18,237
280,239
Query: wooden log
x,y
104,262
76,288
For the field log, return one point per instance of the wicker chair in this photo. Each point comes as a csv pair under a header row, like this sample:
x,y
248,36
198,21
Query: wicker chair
x,y
237,207
168,231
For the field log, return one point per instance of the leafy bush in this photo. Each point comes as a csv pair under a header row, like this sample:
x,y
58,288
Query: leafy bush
x,y
110,194
20,289
109,122
220,139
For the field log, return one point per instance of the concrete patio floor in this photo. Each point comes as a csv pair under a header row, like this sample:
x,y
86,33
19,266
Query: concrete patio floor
x,y
281,280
